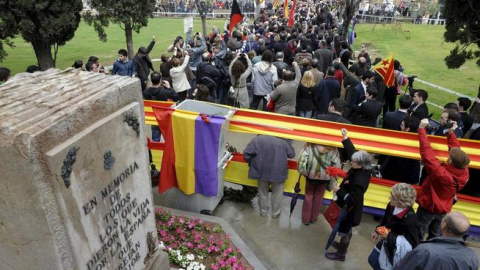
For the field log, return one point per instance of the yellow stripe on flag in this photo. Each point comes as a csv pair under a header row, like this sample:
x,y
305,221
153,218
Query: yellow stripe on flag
x,y
183,124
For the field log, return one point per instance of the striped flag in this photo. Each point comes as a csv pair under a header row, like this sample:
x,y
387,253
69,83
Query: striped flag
x,y
285,9
276,3
235,17
290,16
385,69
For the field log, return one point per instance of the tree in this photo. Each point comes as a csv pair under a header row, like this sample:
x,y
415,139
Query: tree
x,y
130,15
462,28
46,24
347,8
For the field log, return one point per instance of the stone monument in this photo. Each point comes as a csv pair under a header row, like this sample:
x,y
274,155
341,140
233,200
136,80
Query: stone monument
x,y
75,185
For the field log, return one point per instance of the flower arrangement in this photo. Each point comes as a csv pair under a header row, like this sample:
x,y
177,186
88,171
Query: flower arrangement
x,y
194,244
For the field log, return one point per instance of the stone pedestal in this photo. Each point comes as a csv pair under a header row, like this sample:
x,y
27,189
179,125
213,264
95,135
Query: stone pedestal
x,y
75,185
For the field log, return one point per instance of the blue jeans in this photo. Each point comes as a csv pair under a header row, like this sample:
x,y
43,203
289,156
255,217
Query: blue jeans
x,y
306,114
373,259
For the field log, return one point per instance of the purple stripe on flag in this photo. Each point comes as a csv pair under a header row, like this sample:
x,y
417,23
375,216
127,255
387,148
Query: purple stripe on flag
x,y
207,137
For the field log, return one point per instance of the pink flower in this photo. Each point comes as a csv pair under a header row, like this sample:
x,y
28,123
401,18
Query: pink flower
x,y
181,220
227,236
179,230
214,267
217,249
190,245
200,221
163,233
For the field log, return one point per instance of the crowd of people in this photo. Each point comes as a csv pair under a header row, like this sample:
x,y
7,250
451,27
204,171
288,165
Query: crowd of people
x,y
308,71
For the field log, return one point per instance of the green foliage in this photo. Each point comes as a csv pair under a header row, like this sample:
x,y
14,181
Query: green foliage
x,y
126,13
463,29
44,23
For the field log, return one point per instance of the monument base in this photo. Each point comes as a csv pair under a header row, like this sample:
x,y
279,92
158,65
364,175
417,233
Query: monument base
x,y
159,261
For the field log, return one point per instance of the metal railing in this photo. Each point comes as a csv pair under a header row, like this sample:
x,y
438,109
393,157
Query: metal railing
x,y
210,15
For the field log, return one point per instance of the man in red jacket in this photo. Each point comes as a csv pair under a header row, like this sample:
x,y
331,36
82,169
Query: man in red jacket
x,y
435,199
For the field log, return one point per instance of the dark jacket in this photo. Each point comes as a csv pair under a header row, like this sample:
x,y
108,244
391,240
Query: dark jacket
x,y
401,169
280,65
267,158
405,223
208,75
467,120
440,253
280,46
368,113
328,89
356,96
160,94
325,59
144,64
421,112
351,192
333,117
306,98
393,120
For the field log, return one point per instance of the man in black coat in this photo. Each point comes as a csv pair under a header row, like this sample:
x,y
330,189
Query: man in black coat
x,y
328,89
324,56
393,120
208,75
143,63
419,108
403,169
335,111
160,91
357,96
279,64
370,109
467,119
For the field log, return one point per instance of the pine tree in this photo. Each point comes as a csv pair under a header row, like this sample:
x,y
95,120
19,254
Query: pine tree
x,y
46,24
462,28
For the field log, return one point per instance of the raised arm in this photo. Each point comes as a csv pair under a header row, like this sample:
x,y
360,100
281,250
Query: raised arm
x,y
429,160
150,46
451,138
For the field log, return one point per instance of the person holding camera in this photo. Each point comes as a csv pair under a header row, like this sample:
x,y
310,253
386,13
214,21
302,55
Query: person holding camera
x,y
161,91
447,118
444,180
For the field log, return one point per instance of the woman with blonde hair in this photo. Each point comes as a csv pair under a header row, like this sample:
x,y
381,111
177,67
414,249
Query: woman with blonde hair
x,y
306,95
399,231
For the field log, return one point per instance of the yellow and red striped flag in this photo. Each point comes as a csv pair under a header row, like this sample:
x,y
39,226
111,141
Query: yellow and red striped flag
x,y
285,9
276,3
385,69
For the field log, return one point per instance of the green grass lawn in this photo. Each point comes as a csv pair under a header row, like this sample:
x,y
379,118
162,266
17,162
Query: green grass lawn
x,y
86,43
420,49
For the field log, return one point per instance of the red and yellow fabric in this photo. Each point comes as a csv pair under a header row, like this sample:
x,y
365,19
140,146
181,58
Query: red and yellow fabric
x,y
385,69
373,140
285,9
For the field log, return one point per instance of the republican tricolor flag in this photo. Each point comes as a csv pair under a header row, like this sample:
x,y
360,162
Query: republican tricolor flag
x,y
190,157
385,69
235,17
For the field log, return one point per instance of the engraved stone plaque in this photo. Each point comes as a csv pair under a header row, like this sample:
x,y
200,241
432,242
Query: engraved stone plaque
x,y
106,207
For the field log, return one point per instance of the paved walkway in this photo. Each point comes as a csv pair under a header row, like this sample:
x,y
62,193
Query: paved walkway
x,y
285,243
